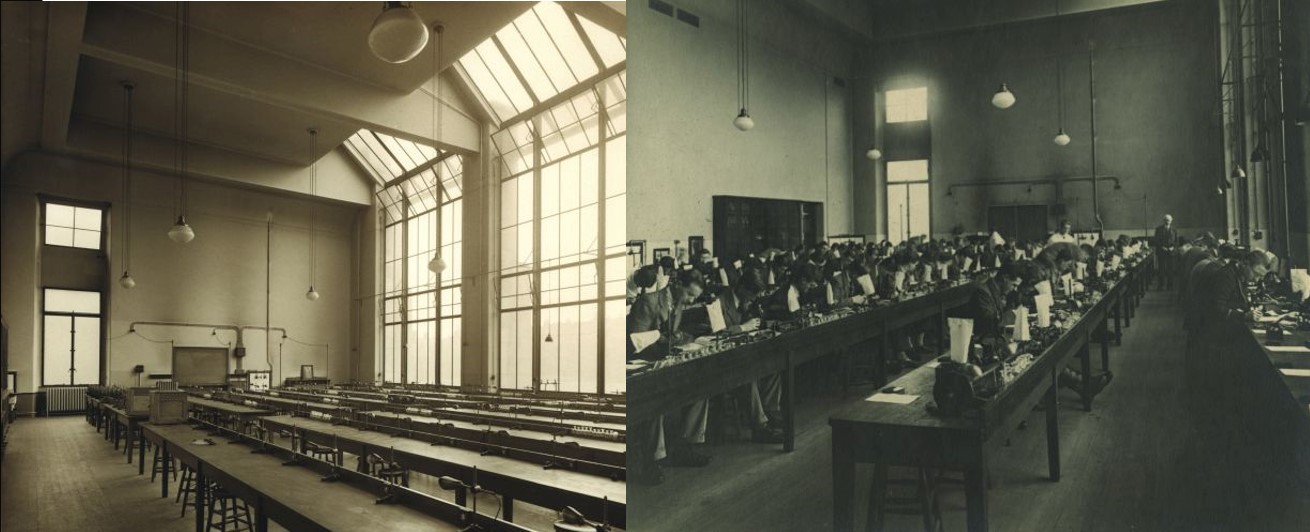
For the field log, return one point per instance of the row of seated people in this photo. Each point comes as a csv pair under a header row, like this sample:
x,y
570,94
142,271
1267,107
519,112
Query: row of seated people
x,y
777,286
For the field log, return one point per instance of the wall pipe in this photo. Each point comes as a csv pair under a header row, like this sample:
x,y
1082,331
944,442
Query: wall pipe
x,y
238,329
1056,182
1091,90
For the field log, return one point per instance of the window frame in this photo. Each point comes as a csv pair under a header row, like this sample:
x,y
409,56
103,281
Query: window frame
x,y
100,334
887,106
889,185
103,207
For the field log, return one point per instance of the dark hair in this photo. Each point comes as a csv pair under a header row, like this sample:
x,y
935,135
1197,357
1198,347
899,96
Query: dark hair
x,y
645,276
667,262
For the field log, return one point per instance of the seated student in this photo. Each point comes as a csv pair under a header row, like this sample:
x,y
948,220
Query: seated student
x,y
990,301
653,312
741,313
641,281
1222,311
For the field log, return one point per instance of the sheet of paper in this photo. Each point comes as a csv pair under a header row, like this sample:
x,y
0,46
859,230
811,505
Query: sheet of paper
x,y
715,312
894,398
1258,331
1289,349
828,293
1290,372
723,277
866,284
793,299
932,364
642,340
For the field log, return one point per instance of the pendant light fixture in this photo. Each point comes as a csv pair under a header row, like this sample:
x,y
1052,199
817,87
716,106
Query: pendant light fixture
x,y
743,122
1003,98
398,34
312,294
437,265
873,154
1238,172
181,231
1061,138
126,281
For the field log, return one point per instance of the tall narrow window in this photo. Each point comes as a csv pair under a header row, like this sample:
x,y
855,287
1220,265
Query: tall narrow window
x,y
909,210
70,349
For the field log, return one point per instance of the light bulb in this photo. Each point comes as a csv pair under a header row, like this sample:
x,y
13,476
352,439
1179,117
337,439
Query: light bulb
x,y
743,121
437,265
873,154
398,34
181,231
312,294
1003,98
1062,139
126,281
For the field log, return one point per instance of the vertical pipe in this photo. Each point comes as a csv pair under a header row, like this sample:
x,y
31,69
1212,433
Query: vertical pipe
x,y
268,294
1282,133
1091,91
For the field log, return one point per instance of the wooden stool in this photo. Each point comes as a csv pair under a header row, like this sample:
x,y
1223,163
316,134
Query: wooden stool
x,y
159,465
924,502
228,513
326,454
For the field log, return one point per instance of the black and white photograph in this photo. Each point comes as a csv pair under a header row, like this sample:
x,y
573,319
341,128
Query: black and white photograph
x,y
961,265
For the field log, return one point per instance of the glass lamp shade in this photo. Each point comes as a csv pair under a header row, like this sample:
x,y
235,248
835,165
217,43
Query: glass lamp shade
x,y
1238,172
1062,138
437,265
181,231
743,121
312,294
126,281
1003,98
398,34
873,154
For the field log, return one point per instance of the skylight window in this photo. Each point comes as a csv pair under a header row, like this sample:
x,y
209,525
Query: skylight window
x,y
544,52
386,157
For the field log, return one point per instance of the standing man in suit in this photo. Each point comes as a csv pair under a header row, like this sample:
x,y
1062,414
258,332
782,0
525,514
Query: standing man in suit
x,y
1166,237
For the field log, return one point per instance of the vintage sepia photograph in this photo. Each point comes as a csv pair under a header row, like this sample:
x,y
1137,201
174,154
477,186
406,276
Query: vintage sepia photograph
x,y
314,266
957,265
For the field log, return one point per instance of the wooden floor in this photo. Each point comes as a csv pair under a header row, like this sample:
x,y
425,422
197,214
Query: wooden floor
x,y
60,475
1144,459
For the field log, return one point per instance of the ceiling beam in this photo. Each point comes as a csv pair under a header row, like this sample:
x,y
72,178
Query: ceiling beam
x,y
603,14
138,40
66,23
339,179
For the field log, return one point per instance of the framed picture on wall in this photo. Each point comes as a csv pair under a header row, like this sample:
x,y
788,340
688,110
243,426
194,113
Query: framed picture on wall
x,y
660,253
695,243
307,371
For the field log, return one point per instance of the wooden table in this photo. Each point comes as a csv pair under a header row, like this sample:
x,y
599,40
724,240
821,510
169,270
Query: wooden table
x,y
908,435
512,479
123,426
233,415
297,498
656,392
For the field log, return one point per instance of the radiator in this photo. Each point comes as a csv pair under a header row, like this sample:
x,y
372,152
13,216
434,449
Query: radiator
x,y
64,399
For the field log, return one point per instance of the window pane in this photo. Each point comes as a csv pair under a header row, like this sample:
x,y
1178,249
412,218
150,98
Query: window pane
x,y
86,351
607,44
897,213
58,236
56,350
567,39
504,76
615,346
87,218
526,62
86,239
485,83
72,301
908,105
901,171
919,209
59,215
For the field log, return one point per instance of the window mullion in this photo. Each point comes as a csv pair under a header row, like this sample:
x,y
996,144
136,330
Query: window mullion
x,y
537,147
509,60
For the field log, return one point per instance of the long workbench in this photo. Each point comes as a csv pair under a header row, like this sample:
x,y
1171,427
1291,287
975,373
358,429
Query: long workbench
x,y
890,434
298,498
663,390
513,479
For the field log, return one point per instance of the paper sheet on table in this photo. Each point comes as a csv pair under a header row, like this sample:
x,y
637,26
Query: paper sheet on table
x,y
1290,372
715,312
1100,268
932,364
894,398
1272,319
1289,349
771,280
1021,332
942,271
961,337
793,299
642,340
996,263
1044,288
866,284
1044,303
968,263
827,293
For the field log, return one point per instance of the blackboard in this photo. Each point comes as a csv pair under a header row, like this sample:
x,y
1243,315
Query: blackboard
x,y
200,366
743,226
